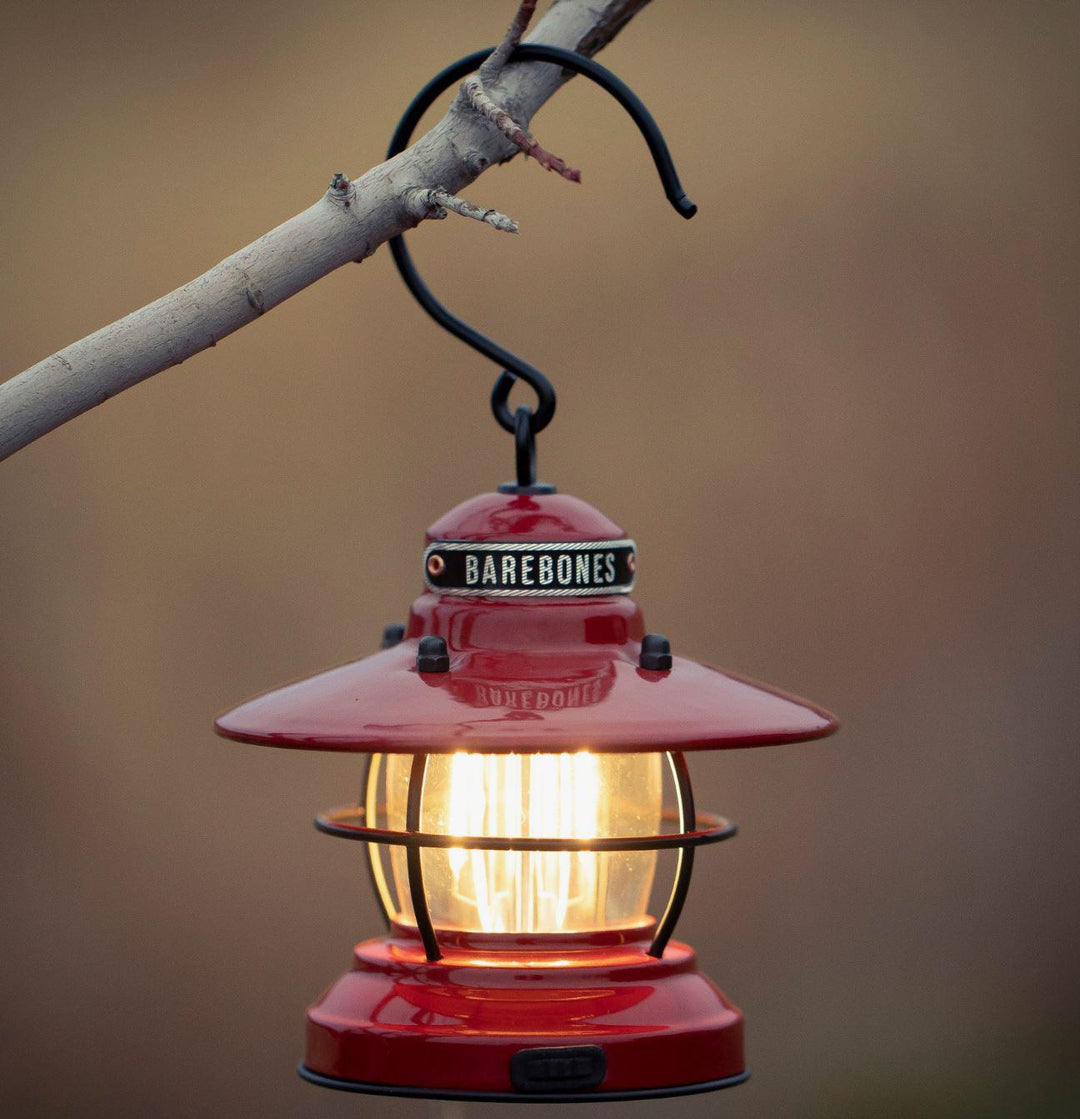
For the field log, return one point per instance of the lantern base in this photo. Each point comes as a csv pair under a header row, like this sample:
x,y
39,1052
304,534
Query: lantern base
x,y
516,1097
555,1019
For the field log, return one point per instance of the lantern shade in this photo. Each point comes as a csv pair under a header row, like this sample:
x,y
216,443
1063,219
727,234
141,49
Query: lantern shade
x,y
596,700
527,673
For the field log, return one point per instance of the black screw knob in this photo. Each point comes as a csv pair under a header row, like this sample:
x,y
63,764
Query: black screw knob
x,y
432,655
655,652
392,635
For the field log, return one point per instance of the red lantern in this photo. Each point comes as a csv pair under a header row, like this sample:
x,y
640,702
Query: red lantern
x,y
518,733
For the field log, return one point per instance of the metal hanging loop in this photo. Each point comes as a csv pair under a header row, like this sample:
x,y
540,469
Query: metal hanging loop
x,y
524,447
514,366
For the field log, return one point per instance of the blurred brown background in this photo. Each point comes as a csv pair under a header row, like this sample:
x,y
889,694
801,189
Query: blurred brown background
x,y
838,411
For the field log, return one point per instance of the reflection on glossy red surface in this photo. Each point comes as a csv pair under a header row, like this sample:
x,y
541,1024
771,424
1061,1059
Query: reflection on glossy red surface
x,y
529,517
397,1019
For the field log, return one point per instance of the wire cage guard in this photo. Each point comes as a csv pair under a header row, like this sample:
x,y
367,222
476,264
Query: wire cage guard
x,y
695,830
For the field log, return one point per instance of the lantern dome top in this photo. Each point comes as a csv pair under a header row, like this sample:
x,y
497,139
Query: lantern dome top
x,y
525,640
551,517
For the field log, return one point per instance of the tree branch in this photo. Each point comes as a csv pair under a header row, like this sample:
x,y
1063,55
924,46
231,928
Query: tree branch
x,y
474,93
476,96
493,65
347,224
434,203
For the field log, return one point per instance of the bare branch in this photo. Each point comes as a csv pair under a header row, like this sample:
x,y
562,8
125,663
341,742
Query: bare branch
x,y
494,63
477,97
474,92
346,224
428,202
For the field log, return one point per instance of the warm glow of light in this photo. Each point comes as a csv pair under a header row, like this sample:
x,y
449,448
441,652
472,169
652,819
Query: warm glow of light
x,y
577,795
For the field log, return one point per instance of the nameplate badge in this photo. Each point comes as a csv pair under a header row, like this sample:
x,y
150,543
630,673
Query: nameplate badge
x,y
522,570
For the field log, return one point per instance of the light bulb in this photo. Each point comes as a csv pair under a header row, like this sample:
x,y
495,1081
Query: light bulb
x,y
578,795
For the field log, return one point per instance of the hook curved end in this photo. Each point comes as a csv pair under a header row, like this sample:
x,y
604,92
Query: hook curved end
x,y
500,394
513,366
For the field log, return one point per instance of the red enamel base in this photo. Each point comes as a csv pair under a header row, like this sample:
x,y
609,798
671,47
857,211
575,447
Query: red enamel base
x,y
453,1026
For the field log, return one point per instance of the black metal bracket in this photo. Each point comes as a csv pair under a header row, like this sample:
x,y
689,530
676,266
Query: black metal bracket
x,y
412,861
685,867
514,366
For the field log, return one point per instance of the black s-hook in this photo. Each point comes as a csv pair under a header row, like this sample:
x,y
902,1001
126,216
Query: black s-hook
x,y
525,423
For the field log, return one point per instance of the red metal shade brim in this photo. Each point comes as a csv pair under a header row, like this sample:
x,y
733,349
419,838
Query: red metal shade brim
x,y
524,702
